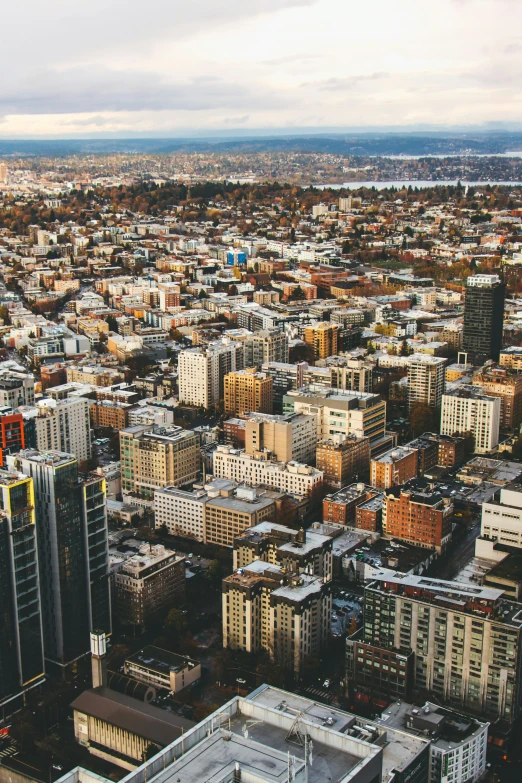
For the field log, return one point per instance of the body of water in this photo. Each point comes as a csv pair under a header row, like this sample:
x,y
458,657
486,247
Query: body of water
x,y
415,183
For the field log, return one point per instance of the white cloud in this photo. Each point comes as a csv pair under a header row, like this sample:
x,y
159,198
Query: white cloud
x,y
116,65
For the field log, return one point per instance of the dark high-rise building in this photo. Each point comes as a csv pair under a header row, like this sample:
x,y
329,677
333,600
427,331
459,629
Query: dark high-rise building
x,y
72,552
484,315
93,509
21,640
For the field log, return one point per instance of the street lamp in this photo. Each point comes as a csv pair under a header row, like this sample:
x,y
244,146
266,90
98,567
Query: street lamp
x,y
57,767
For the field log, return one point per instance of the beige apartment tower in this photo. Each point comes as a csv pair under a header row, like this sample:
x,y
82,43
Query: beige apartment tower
x,y
246,391
324,339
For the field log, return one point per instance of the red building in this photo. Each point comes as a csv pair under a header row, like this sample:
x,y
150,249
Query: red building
x,y
12,436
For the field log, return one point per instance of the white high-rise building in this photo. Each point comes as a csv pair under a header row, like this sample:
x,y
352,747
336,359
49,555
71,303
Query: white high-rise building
x,y
64,425
201,371
468,409
426,380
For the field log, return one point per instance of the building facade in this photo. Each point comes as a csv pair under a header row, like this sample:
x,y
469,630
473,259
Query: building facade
x,y
469,409
484,315
246,391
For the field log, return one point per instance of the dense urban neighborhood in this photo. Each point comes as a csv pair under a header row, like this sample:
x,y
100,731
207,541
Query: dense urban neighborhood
x,y
260,467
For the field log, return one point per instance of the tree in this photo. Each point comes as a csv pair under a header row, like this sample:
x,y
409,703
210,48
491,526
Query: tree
x,y
405,349
215,573
203,294
297,294
421,418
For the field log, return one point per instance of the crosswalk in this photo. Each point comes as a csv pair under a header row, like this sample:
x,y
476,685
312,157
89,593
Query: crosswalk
x,y
317,693
7,748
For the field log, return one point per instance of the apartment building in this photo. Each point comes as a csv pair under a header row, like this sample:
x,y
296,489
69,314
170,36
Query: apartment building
x,y
266,345
247,390
469,409
16,388
64,426
466,640
426,380
299,551
451,450
148,585
394,467
342,413
94,375
501,525
107,413
422,518
152,458
285,377
266,608
343,458
201,371
292,437
21,640
342,506
511,358
323,337
258,470
180,512
12,434
229,514
499,382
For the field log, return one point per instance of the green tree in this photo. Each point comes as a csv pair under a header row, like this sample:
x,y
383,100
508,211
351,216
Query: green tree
x,y
297,294
203,294
215,573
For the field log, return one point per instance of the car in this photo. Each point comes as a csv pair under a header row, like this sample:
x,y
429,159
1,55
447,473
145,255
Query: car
x,y
240,681
327,683
188,563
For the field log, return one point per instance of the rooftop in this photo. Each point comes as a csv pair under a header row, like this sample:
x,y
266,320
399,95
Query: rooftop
x,y
161,660
132,715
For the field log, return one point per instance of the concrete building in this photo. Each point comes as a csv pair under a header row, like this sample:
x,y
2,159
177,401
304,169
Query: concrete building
x,y
16,388
21,639
343,458
451,450
300,551
62,553
499,382
323,337
148,585
64,426
292,437
343,413
94,375
469,409
106,413
266,608
484,315
163,669
268,345
501,526
257,470
393,468
152,458
261,737
458,743
341,507
419,518
202,370
181,512
124,731
475,628
247,390
92,491
426,380
285,377
229,513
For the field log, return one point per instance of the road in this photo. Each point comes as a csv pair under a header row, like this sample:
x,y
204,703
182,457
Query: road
x,y
461,553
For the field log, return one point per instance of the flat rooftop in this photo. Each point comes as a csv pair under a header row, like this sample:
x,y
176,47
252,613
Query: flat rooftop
x,y
160,660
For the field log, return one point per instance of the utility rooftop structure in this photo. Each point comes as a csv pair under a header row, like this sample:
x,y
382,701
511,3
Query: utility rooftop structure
x,y
274,736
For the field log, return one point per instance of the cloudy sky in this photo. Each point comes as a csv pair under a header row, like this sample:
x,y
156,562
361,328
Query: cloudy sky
x,y
165,66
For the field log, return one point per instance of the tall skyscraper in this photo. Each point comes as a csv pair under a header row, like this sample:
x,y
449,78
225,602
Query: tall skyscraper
x,y
21,640
484,315
93,511
72,551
